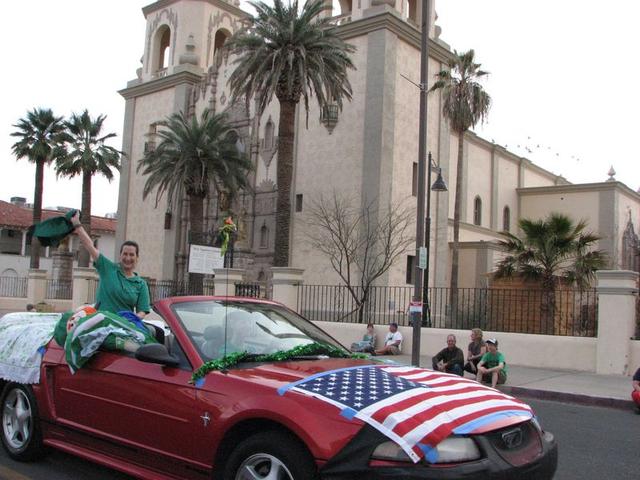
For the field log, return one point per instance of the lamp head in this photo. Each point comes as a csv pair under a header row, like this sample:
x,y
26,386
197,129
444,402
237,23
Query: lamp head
x,y
439,185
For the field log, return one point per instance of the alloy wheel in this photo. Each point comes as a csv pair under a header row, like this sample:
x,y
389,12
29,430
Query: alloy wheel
x,y
17,419
262,466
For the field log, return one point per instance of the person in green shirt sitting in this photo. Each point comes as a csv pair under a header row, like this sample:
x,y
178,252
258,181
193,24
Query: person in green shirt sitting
x,y
121,288
492,367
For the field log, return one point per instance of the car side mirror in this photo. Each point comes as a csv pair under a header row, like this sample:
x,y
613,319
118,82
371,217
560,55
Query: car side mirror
x,y
156,353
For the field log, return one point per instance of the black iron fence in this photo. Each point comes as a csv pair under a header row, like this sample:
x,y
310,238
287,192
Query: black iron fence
x,y
336,303
159,289
13,287
253,290
562,312
92,290
57,289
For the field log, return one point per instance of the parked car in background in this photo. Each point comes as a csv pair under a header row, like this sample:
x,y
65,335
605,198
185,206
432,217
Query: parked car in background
x,y
297,416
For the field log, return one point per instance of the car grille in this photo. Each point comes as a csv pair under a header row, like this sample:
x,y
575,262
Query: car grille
x,y
518,445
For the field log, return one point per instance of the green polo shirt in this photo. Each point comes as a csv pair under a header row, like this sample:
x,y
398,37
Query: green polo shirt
x,y
116,292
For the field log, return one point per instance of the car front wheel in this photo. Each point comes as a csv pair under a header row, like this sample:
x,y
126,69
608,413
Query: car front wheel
x,y
270,456
21,435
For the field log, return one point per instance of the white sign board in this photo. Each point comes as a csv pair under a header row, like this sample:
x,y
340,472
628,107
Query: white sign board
x,y
422,258
203,259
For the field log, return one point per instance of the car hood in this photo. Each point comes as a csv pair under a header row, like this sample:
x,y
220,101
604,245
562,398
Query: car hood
x,y
279,374
283,373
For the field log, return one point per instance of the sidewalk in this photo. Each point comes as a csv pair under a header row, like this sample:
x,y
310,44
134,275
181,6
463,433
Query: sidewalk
x,y
558,385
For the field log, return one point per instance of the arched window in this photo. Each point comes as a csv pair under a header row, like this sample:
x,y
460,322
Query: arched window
x,y
264,237
477,211
9,272
220,38
268,134
161,47
506,219
341,7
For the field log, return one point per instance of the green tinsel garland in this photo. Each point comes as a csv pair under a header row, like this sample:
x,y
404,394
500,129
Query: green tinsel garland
x,y
311,349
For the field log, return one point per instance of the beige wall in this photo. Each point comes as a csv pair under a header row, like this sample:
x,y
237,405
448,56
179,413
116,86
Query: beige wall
x,y
535,178
478,183
538,351
145,221
578,205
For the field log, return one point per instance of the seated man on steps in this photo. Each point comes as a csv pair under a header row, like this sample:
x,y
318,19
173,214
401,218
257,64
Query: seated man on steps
x,y
392,342
450,359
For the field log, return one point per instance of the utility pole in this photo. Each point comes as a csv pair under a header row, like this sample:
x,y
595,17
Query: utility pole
x,y
416,316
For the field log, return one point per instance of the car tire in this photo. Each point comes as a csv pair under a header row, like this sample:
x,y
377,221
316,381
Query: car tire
x,y
258,456
21,433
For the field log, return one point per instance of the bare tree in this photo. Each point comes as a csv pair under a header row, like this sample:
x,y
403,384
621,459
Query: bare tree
x,y
361,241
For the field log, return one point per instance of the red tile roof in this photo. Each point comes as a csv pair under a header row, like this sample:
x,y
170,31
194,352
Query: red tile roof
x,y
20,218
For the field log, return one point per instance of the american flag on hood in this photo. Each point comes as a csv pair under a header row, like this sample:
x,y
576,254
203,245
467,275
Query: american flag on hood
x,y
415,407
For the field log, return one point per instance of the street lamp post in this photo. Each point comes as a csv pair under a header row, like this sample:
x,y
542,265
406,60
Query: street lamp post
x,y
438,186
416,316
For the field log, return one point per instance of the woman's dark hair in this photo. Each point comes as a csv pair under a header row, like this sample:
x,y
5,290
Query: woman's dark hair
x,y
370,325
130,243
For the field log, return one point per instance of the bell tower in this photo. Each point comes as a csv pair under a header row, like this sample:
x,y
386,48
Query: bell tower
x,y
181,40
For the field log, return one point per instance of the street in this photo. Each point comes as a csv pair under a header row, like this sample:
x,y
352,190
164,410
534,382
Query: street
x,y
594,442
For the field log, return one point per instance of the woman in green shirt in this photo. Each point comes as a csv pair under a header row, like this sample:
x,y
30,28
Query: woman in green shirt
x,y
121,288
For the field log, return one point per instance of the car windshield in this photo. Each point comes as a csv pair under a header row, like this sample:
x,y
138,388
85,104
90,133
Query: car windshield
x,y
218,328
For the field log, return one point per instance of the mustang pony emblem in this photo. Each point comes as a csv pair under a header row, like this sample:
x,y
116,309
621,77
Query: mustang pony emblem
x,y
513,438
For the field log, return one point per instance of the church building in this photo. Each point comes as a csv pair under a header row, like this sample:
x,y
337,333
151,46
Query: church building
x,y
366,152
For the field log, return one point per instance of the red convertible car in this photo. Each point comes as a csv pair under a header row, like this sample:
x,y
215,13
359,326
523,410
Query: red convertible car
x,y
231,391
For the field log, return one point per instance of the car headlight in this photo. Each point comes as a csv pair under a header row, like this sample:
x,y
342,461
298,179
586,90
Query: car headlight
x,y
450,450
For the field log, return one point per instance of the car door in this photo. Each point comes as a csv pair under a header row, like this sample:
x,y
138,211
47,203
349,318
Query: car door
x,y
142,412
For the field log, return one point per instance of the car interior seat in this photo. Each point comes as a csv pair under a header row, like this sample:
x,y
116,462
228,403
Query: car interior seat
x,y
213,341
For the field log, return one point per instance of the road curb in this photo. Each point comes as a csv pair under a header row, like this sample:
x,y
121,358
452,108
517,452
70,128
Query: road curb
x,y
569,397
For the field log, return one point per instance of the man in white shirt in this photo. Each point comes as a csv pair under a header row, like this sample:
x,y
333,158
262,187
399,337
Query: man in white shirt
x,y
392,342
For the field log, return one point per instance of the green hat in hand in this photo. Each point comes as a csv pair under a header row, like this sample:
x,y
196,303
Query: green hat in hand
x,y
52,231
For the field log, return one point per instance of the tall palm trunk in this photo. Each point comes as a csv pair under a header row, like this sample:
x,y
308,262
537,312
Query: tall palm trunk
x,y
453,294
85,217
195,218
37,213
286,125
548,304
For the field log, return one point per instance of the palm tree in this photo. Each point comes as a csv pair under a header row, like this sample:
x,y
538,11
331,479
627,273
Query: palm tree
x,y
191,157
291,55
40,142
87,154
550,250
464,104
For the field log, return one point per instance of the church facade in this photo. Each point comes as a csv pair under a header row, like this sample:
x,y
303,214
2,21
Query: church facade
x,y
367,151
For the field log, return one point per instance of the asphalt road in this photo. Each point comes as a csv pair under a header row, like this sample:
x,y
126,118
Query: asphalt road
x,y
594,442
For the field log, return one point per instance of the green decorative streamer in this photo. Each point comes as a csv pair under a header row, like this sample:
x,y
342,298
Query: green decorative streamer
x,y
311,349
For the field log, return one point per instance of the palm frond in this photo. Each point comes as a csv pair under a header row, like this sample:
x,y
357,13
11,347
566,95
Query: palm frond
x,y
194,155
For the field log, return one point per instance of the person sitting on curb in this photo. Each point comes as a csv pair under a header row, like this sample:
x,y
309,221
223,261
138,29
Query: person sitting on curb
x,y
477,349
635,395
450,359
492,366
368,342
392,342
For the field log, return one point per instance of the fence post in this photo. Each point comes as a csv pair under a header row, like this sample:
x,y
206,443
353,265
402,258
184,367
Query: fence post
x,y
81,278
285,281
209,286
225,281
617,293
36,286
